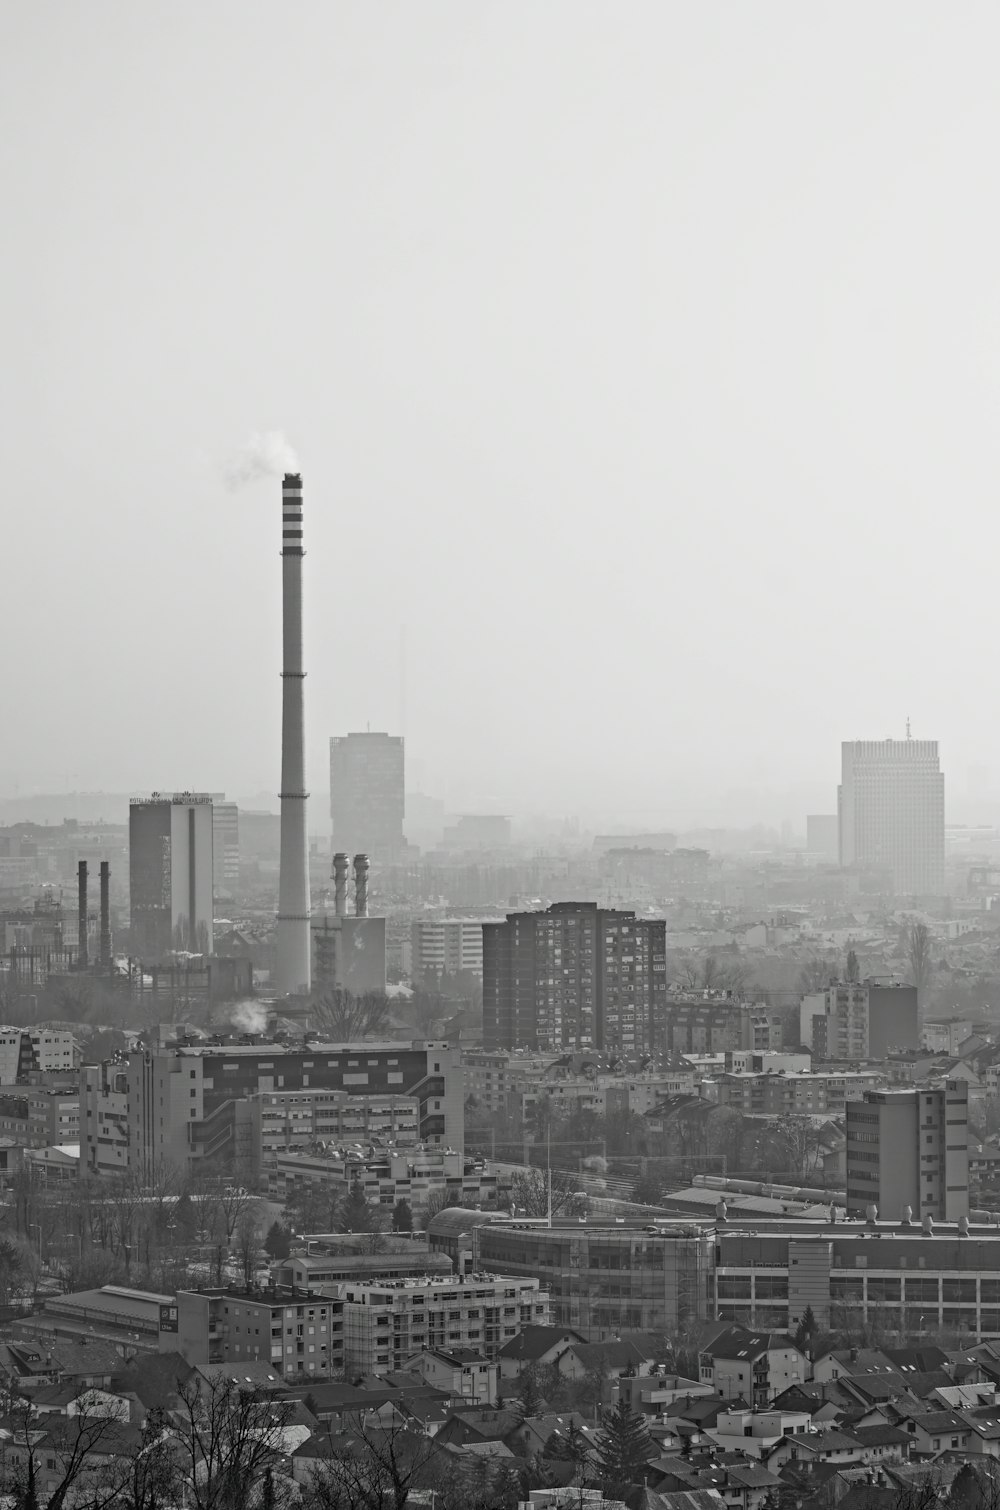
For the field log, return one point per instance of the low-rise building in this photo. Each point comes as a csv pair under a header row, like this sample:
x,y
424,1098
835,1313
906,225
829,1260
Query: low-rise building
x,y
752,1366
486,1073
39,1117
800,1094
387,1322
464,1372
295,1121
412,1175
316,1271
298,1335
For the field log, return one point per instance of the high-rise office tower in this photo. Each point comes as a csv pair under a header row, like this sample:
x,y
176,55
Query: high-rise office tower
x,y
367,800
574,976
890,808
170,874
910,1148
226,833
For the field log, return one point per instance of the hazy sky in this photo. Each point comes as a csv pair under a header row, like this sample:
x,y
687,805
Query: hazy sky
x,y
643,360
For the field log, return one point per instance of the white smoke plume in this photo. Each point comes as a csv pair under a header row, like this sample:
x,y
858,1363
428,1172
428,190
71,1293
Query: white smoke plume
x,y
249,1017
268,453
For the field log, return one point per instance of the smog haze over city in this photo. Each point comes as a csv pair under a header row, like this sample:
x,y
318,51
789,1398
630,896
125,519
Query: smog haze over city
x,y
642,361
499,843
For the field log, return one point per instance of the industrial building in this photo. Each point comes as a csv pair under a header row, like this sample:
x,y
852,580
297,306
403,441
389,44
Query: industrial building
x,y
908,1152
601,1279
890,810
758,1269
367,794
909,1280
349,948
171,868
183,1102
573,976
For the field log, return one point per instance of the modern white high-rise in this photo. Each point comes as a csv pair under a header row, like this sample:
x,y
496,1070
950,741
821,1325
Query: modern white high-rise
x,y
890,807
446,946
170,874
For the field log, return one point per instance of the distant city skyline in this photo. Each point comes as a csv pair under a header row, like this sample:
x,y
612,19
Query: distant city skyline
x,y
557,417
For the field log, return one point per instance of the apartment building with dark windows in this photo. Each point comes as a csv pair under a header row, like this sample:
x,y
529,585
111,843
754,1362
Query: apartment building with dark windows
x,y
574,976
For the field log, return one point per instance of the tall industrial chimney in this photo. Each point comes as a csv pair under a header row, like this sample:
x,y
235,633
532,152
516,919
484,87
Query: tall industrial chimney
x,y
81,915
361,885
105,954
341,865
293,970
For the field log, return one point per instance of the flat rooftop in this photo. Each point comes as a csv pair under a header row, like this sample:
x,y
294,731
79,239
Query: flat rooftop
x,y
269,1046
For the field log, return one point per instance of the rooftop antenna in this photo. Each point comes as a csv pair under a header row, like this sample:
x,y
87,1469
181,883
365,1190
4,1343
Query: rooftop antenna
x,y
908,734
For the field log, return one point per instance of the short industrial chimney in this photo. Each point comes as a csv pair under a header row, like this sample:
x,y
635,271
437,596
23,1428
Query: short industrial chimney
x,y
293,968
341,865
81,915
105,954
361,885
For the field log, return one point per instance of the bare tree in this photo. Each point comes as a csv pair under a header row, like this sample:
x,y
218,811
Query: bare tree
x,y
816,974
228,1439
374,1469
344,1016
249,1228
79,1448
529,1192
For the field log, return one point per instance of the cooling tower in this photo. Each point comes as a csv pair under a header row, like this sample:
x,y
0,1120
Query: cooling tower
x,y
293,962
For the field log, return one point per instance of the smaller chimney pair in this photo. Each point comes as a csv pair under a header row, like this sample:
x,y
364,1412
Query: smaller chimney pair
x,y
341,866
83,943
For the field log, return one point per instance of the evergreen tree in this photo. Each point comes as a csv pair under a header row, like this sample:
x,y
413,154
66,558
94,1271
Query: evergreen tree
x,y
571,1445
277,1241
402,1217
805,1329
530,1399
356,1212
623,1450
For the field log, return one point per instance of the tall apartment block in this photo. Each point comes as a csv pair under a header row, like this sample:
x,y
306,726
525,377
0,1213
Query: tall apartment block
x,y
367,794
445,946
171,866
890,809
910,1148
574,976
855,1021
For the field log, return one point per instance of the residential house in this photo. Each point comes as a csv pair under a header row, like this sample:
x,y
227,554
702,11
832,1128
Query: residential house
x,y
541,1345
753,1365
463,1372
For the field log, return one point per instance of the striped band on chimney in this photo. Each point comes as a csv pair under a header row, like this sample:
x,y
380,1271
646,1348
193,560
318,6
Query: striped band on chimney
x,y
291,514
